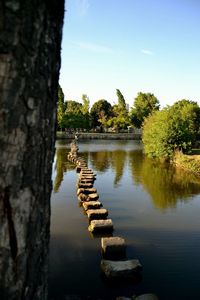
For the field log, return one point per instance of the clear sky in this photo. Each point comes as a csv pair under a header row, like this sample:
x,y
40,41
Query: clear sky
x,y
132,45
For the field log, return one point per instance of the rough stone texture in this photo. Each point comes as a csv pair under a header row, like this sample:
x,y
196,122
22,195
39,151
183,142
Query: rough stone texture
x,y
86,176
82,197
97,226
120,269
30,38
92,205
113,246
86,191
93,214
93,196
146,297
84,185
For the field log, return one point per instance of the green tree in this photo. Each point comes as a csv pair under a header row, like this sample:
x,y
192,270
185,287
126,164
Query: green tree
x,y
60,107
173,128
85,110
100,113
144,105
86,104
120,119
121,100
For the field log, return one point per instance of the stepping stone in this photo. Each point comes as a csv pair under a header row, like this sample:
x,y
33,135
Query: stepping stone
x,y
86,181
113,246
92,205
86,171
98,226
86,191
120,269
85,176
84,185
146,297
92,197
96,214
82,197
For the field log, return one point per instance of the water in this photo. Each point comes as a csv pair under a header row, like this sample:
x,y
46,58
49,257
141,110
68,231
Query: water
x,y
153,206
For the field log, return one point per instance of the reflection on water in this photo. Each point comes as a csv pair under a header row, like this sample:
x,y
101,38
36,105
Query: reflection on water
x,y
165,184
154,206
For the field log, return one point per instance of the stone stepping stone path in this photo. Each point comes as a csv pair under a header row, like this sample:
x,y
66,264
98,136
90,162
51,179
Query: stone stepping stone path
x,y
113,248
120,269
92,205
101,226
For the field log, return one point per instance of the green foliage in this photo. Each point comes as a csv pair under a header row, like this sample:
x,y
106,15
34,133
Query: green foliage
x,y
144,105
121,100
86,104
173,128
120,118
100,113
73,116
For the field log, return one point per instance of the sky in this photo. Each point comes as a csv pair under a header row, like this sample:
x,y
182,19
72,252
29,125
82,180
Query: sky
x,y
149,46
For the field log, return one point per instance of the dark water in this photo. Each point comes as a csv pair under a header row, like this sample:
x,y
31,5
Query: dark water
x,y
155,207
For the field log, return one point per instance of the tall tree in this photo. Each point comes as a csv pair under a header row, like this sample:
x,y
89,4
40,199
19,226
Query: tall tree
x,y
121,100
86,104
144,104
30,41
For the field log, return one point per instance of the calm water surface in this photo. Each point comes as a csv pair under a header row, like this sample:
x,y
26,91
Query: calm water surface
x,y
153,206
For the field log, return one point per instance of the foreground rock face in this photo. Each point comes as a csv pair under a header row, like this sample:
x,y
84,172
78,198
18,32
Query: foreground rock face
x,y
120,269
98,226
113,246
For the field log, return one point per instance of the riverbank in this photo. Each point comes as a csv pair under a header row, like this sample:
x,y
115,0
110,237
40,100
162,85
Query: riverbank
x,y
189,163
99,136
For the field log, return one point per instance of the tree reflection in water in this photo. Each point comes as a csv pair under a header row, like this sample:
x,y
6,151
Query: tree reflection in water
x,y
164,183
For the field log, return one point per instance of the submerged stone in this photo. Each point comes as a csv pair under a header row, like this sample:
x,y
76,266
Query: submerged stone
x,y
120,269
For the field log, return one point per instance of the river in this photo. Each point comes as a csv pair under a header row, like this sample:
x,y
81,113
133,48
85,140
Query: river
x,y
154,207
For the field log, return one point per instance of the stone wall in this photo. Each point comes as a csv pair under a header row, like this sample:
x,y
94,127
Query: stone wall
x,y
100,136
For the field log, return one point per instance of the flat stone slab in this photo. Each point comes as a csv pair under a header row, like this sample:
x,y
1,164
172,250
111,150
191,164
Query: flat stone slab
x,y
96,214
86,191
120,269
146,297
92,197
86,176
113,245
97,226
92,205
84,185
87,171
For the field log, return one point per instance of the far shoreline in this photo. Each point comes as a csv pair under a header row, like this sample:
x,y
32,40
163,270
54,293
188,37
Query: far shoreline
x,y
99,136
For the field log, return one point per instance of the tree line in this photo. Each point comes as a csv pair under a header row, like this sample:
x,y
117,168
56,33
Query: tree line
x,y
72,114
174,128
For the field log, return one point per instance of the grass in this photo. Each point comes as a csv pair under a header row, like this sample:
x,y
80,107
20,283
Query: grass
x,y
188,162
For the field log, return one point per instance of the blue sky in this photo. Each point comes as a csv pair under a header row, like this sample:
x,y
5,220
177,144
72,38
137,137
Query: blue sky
x,y
132,45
